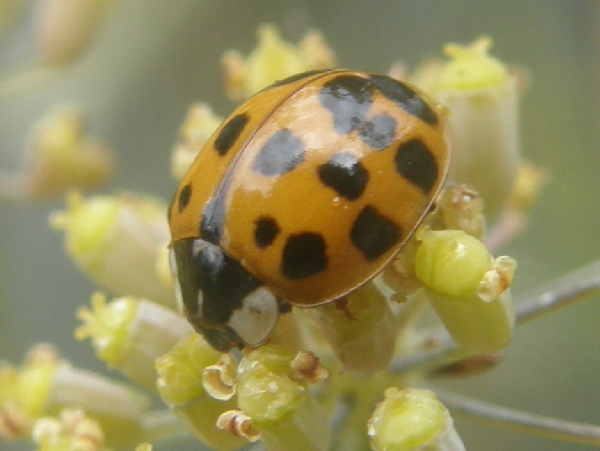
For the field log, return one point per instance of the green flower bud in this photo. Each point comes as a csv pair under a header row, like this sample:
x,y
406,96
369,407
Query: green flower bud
x,y
61,157
472,68
451,262
412,420
467,289
180,384
272,60
462,209
73,430
116,241
129,334
275,396
484,102
24,391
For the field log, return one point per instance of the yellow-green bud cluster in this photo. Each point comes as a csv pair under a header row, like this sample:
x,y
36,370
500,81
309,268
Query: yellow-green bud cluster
x,y
116,241
47,384
274,395
272,60
197,128
73,430
130,333
61,157
181,376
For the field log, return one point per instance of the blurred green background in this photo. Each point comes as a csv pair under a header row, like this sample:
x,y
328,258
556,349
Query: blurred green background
x,y
151,60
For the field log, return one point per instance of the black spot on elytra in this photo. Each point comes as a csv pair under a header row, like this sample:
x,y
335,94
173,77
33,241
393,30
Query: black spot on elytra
x,y
230,133
416,164
405,97
281,153
348,99
373,234
379,131
184,197
345,175
303,256
265,232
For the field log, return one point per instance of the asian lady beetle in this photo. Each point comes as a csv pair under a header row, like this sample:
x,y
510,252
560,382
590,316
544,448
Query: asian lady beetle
x,y
303,194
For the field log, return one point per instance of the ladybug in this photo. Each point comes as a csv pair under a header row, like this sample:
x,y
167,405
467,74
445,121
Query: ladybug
x,y
303,194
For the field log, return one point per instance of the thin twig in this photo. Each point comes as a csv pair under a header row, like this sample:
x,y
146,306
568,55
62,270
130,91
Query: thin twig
x,y
447,352
578,285
522,421
575,286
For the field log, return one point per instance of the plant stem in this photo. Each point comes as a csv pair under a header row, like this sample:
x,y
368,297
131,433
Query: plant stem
x,y
575,286
522,421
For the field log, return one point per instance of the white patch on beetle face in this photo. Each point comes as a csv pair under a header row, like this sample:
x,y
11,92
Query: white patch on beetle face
x,y
257,317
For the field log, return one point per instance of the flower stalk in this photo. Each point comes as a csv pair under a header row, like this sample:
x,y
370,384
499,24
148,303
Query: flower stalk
x,y
360,329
